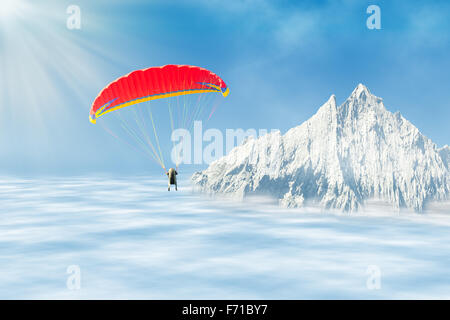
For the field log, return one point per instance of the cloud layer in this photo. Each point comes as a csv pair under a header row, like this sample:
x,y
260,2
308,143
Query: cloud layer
x,y
133,239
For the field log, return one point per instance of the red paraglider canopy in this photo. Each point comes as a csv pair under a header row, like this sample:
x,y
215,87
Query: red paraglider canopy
x,y
155,83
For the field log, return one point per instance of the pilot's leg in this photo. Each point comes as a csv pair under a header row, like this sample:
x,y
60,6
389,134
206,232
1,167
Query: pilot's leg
x,y
176,187
168,189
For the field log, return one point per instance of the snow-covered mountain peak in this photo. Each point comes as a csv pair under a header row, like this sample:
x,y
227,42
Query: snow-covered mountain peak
x,y
329,106
339,158
332,100
361,101
360,90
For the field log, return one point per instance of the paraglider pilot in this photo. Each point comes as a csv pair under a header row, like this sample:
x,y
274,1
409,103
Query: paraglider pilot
x,y
172,174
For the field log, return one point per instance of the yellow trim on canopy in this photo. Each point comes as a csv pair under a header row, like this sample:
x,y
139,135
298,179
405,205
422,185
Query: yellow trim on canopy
x,y
226,92
155,97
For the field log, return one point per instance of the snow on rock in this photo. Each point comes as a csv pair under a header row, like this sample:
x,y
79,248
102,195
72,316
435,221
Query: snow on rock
x,y
339,158
445,155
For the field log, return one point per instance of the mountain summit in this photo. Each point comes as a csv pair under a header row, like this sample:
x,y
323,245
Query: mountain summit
x,y
339,158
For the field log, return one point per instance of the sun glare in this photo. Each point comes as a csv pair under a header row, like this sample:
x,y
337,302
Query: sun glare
x,y
41,61
9,8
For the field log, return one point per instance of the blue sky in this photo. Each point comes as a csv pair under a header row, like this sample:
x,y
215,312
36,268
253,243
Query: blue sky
x,y
281,60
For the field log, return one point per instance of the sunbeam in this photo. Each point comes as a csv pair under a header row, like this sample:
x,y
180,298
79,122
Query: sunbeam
x,y
47,72
10,8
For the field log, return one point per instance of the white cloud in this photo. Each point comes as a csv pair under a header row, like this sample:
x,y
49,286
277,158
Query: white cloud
x,y
134,239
